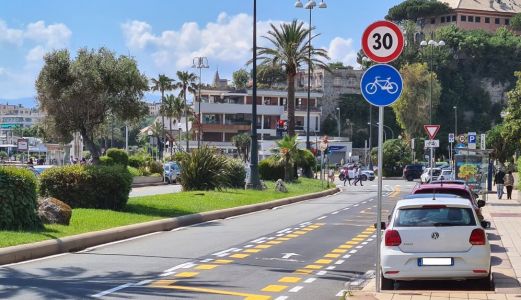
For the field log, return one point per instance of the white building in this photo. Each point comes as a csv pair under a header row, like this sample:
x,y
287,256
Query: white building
x,y
16,116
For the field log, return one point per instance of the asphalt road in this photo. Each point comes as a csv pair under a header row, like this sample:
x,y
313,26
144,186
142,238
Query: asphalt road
x,y
155,190
307,250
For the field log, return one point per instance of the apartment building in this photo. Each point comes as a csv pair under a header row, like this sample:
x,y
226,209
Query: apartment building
x,y
488,15
16,116
226,113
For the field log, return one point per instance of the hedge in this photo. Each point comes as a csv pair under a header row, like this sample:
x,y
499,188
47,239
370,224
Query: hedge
x,y
236,173
271,170
104,187
119,156
18,200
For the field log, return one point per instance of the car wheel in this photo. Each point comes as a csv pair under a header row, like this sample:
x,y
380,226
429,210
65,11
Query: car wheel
x,y
484,283
364,178
410,178
386,284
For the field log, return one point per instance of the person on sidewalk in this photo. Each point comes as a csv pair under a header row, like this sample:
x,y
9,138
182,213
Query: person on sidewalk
x,y
499,181
358,176
509,184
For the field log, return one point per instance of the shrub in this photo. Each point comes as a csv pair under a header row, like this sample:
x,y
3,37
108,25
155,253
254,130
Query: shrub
x,y
204,170
155,167
18,200
106,161
119,156
105,187
236,173
136,161
269,169
3,155
134,171
518,173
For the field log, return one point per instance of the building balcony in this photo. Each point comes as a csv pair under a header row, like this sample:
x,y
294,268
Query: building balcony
x,y
225,128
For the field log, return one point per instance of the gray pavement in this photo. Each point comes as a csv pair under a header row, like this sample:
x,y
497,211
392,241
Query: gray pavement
x,y
155,190
306,250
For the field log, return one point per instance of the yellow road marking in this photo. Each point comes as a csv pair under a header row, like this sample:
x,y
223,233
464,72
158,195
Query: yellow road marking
x,y
186,274
252,250
313,267
345,246
323,261
367,232
352,243
319,224
357,239
300,232
239,255
292,235
303,271
262,246
331,255
223,261
313,226
339,251
273,242
290,279
167,284
274,288
308,229
282,239
362,236
206,267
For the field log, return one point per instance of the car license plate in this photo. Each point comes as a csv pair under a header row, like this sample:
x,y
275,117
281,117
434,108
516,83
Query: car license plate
x,y
435,261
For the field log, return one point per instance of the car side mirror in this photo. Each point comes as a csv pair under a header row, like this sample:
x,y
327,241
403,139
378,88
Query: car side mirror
x,y
481,203
485,224
382,225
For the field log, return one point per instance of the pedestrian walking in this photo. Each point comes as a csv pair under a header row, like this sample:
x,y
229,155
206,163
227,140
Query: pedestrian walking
x,y
499,181
332,175
358,176
346,177
509,184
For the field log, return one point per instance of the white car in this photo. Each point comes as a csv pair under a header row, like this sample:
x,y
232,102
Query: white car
x,y
426,175
439,239
446,174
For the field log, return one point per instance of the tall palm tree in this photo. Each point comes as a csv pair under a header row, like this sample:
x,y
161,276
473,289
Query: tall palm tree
x,y
163,83
286,153
187,84
290,51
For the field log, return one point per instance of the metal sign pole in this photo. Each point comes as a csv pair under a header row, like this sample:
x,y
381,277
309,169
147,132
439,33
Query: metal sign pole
x,y
379,203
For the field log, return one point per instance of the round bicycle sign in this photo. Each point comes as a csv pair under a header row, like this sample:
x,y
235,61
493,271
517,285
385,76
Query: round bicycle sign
x,y
381,85
383,41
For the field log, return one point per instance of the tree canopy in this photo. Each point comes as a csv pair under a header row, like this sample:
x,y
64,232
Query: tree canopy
x,y
417,9
240,79
512,129
79,94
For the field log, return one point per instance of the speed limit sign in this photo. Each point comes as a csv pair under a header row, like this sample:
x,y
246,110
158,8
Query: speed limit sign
x,y
383,41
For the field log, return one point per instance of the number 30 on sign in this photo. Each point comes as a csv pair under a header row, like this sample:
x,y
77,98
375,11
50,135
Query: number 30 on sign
x,y
383,41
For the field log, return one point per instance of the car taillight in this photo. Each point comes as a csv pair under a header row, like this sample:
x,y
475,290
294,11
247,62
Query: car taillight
x,y
477,237
392,238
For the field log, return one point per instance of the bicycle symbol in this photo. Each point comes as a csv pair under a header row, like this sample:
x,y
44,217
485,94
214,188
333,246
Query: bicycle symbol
x,y
384,85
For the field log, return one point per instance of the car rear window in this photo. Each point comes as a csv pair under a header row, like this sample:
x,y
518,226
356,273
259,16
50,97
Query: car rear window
x,y
432,216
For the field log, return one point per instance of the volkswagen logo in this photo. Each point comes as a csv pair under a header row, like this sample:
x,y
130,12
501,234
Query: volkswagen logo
x,y
435,235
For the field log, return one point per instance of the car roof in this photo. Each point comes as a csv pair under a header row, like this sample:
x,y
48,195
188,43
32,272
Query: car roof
x,y
449,181
440,185
431,195
454,201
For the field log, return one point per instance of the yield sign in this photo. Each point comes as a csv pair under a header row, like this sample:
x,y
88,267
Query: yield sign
x,y
431,130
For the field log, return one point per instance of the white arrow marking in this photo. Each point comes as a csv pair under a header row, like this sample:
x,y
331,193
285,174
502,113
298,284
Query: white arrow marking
x,y
288,255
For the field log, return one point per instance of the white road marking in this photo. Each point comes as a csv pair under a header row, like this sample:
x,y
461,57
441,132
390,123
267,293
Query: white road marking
x,y
373,236
112,290
310,280
369,240
248,246
305,223
321,273
284,230
364,202
353,251
339,262
341,293
167,274
289,255
364,243
270,238
280,234
334,213
346,256
143,282
356,204
359,247
181,266
323,217
346,208
296,289
281,298
259,240
207,260
331,268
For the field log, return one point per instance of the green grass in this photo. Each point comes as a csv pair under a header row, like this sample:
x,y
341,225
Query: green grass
x,y
148,208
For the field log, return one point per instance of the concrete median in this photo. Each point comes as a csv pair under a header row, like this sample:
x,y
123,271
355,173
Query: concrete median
x,y
79,242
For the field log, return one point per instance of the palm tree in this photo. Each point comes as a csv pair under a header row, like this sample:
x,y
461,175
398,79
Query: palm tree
x,y
187,84
290,51
286,153
163,83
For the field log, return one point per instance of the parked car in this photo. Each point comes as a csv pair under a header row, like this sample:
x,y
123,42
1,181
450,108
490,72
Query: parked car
x,y
454,189
446,174
171,171
367,174
439,239
411,172
426,175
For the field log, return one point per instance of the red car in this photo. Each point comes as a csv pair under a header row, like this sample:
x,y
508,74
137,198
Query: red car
x,y
461,190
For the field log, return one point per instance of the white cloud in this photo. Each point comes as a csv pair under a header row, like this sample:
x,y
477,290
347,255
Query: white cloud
x,y
227,40
35,54
52,36
10,35
342,50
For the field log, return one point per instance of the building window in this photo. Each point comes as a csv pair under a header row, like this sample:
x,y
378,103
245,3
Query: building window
x,y
478,19
299,102
463,18
487,20
433,20
442,19
471,18
497,20
454,18
507,21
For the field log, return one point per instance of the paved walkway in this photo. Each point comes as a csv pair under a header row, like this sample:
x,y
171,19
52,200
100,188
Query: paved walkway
x,y
505,239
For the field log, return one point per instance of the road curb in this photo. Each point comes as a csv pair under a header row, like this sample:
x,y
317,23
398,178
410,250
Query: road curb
x,y
79,242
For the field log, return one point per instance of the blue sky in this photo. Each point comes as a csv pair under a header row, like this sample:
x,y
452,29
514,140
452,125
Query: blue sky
x,y
163,35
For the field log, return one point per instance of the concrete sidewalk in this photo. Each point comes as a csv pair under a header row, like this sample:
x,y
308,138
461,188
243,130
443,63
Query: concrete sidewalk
x,y
505,241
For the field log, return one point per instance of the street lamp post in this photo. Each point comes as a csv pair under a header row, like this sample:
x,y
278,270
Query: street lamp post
x,y
432,44
390,129
455,120
254,181
310,5
338,109
200,63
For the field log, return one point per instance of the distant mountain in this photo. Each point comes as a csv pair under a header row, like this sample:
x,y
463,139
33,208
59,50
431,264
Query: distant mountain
x,y
28,102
